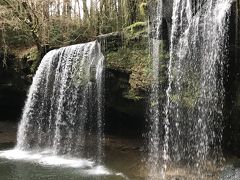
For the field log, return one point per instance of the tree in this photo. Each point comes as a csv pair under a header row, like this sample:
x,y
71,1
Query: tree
x,y
60,22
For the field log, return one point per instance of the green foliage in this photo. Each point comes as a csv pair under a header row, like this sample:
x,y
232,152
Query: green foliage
x,y
16,38
32,55
133,95
135,61
134,57
29,56
136,28
190,93
143,9
33,25
29,24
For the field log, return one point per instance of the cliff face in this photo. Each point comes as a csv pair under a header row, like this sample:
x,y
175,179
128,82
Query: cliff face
x,y
12,88
128,78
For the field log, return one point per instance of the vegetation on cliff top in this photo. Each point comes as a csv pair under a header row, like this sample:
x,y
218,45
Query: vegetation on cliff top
x,y
29,28
60,23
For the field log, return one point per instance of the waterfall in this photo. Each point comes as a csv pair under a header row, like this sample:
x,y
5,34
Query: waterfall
x,y
154,140
192,124
63,111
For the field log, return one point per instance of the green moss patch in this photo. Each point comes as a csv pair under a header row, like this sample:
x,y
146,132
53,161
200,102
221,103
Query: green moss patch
x,y
133,57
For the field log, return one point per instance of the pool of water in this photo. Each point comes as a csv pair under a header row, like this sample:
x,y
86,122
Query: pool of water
x,y
123,160
21,165
22,170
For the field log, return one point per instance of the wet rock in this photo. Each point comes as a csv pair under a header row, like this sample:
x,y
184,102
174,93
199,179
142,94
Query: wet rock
x,y
232,84
12,90
230,173
111,41
123,115
127,78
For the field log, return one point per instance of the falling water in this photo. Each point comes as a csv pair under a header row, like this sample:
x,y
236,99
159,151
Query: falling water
x,y
63,111
193,111
195,93
153,162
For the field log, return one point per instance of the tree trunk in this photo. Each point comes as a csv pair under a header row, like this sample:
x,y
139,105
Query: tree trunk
x,y
85,10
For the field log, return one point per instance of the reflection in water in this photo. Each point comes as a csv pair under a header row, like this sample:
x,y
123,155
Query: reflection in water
x,y
46,161
121,156
20,170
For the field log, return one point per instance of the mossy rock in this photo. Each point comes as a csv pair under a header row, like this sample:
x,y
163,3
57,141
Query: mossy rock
x,y
133,57
31,57
111,42
136,61
136,28
136,34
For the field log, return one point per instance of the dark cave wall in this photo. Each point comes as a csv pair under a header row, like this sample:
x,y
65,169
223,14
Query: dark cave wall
x,y
125,82
231,136
124,117
231,121
13,89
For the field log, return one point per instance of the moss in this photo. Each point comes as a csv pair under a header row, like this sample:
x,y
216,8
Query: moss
x,y
30,55
136,27
143,9
189,95
184,99
35,61
136,30
134,58
119,60
140,77
132,95
135,62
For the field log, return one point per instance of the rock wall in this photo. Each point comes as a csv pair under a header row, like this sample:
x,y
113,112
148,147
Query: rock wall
x,y
232,84
13,89
128,78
